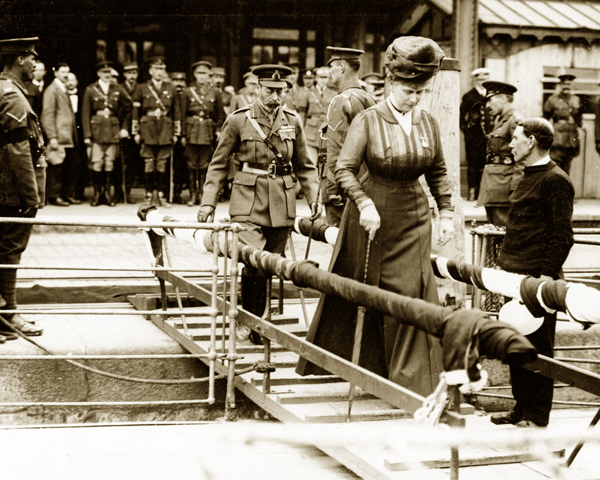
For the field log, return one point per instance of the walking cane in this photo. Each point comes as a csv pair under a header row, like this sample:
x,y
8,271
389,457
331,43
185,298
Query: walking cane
x,y
171,179
300,291
358,333
312,222
123,168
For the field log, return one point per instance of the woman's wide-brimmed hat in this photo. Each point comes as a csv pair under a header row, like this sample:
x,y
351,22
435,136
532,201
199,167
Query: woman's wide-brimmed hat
x,y
413,59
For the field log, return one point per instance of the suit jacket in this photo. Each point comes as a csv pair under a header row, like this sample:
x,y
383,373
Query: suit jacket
x,y
58,118
255,198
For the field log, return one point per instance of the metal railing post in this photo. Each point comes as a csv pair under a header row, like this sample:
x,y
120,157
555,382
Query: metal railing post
x,y
230,411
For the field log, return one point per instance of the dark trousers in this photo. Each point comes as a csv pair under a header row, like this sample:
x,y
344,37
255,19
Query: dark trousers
x,y
13,241
62,179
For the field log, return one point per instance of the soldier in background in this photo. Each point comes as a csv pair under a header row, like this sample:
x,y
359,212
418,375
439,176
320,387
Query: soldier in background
x,y
35,88
352,99
500,175
217,78
475,123
308,78
102,130
202,118
180,170
130,151
156,125
296,97
562,109
319,98
247,94
21,146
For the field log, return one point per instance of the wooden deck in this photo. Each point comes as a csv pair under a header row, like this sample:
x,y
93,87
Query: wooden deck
x,y
323,400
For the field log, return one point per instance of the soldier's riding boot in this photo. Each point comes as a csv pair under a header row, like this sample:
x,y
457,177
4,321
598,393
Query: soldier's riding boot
x,y
201,180
254,298
110,199
163,182
193,187
96,181
149,187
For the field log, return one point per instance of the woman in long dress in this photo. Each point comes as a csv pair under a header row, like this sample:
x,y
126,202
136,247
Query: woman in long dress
x,y
398,142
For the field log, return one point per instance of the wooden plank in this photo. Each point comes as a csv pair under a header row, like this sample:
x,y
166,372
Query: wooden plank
x,y
205,322
369,416
470,461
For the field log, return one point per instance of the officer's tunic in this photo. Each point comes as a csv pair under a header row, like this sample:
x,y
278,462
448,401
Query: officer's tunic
x,y
563,111
202,107
499,153
296,99
156,118
351,100
21,145
242,99
316,113
258,198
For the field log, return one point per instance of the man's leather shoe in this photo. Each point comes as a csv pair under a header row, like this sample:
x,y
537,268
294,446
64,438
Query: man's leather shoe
x,y
73,200
508,418
59,202
525,423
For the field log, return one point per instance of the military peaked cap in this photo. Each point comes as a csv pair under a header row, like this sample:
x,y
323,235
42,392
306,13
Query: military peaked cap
x,y
495,88
340,53
104,66
178,76
19,46
566,77
372,77
307,73
480,71
272,76
158,61
203,65
218,71
130,66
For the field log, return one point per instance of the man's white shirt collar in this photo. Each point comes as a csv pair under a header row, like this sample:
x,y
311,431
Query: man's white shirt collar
x,y
541,161
104,86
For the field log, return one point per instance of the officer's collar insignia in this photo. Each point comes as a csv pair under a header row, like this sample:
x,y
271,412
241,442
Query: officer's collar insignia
x,y
276,76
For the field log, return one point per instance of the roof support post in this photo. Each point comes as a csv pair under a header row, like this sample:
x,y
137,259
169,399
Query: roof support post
x,y
466,38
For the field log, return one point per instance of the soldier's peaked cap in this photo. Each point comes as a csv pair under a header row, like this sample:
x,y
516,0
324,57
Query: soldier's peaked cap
x,y
158,61
203,65
272,76
178,76
567,77
340,53
494,88
104,66
19,46
218,71
130,66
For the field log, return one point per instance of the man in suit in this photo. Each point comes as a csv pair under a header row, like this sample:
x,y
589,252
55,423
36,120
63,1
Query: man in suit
x,y
134,165
202,117
156,125
263,197
58,122
21,144
102,130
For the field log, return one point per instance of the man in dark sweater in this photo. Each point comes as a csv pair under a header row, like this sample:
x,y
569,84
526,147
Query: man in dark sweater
x,y
539,236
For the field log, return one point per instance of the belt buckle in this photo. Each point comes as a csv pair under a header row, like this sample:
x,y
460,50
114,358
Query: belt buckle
x,y
158,113
272,170
106,112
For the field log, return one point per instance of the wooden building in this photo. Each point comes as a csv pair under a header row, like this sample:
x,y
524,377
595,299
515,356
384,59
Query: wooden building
x,y
528,43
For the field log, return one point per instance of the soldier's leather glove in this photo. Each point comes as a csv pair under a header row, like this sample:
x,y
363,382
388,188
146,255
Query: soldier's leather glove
x,y
137,139
183,141
369,218
336,200
144,210
87,141
29,212
206,214
316,209
124,133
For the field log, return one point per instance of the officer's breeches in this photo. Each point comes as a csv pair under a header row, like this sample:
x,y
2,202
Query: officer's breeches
x,y
155,157
103,157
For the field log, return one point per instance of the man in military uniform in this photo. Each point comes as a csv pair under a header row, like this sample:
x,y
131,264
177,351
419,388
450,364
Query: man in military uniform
x,y
21,145
271,145
202,107
475,122
156,125
319,98
130,151
296,97
180,171
102,130
500,175
308,78
562,109
247,95
217,78
352,99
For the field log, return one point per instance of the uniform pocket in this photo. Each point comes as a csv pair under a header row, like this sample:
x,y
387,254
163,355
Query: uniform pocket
x,y
242,194
290,196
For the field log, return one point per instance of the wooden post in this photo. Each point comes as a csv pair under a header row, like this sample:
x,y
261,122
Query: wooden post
x,y
443,102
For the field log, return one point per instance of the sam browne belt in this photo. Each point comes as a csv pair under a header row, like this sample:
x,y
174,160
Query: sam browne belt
x,y
272,169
